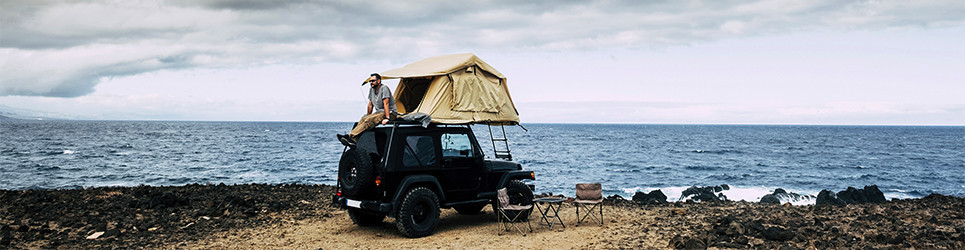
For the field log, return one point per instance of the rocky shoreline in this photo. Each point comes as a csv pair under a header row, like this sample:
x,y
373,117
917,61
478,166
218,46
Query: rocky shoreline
x,y
935,221
146,216
182,216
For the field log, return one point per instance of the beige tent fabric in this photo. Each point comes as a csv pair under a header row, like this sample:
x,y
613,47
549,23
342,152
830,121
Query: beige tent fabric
x,y
454,89
475,90
440,65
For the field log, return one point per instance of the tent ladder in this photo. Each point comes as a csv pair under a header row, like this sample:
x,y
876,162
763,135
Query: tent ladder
x,y
500,154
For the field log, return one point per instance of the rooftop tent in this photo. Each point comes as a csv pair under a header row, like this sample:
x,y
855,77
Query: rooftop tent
x,y
454,89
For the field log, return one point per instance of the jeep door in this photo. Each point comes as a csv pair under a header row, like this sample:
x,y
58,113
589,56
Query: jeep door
x,y
462,165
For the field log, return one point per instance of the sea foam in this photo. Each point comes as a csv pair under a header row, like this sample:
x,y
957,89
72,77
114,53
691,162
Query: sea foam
x,y
735,193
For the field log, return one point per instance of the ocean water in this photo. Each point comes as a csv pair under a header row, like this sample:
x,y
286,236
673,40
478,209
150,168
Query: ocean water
x,y
904,161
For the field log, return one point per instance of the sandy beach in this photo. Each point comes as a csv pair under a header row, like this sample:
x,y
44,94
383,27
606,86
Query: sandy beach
x,y
301,216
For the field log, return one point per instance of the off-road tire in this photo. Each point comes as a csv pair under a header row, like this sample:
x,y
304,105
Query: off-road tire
x,y
365,219
519,194
418,213
355,172
469,209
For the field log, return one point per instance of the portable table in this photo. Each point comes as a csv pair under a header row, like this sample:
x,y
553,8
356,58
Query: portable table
x,y
551,212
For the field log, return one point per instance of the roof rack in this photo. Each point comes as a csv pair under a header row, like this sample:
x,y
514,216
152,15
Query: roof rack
x,y
501,150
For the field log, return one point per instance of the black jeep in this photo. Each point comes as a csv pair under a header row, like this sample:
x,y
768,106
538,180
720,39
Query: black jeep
x,y
409,172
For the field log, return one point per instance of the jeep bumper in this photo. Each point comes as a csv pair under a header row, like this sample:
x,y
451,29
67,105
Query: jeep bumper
x,y
377,206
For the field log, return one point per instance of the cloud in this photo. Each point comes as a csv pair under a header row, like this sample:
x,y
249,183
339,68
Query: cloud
x,y
831,113
64,49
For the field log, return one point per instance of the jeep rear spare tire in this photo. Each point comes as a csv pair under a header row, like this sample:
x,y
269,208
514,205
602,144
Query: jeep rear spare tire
x,y
356,173
418,213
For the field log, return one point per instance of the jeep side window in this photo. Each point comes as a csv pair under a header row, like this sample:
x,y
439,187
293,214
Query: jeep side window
x,y
419,151
456,145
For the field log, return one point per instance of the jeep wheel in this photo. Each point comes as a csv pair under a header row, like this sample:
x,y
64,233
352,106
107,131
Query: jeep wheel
x,y
355,172
365,219
519,194
418,213
469,208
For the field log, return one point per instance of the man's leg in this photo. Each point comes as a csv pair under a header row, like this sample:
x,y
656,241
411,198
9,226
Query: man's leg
x,y
367,122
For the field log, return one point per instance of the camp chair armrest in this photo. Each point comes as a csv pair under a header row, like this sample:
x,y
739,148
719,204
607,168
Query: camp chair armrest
x,y
516,207
588,201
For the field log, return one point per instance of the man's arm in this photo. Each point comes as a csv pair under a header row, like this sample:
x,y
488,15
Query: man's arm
x,y
385,103
369,109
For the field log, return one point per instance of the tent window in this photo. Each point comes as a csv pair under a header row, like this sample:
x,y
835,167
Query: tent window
x,y
415,90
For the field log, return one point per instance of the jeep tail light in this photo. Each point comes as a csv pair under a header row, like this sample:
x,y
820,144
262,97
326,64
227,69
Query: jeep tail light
x,y
378,181
532,175
338,193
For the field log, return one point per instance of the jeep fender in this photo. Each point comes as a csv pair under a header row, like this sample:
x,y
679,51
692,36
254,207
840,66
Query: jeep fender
x,y
427,180
508,176
514,175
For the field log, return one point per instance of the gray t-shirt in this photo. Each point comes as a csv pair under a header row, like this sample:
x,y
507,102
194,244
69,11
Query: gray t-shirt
x,y
376,99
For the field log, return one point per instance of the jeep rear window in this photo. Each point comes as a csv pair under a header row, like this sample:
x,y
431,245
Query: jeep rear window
x,y
419,151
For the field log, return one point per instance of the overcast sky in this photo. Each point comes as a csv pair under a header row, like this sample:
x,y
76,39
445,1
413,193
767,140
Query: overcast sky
x,y
707,62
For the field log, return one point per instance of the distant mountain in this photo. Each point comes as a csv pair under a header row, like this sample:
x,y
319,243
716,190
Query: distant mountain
x,y
11,113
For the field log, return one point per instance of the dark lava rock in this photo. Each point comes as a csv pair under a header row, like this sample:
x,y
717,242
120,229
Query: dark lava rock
x,y
709,193
654,197
772,198
156,199
729,232
729,226
6,235
687,242
932,222
780,194
27,217
826,197
787,247
869,194
111,232
778,234
615,199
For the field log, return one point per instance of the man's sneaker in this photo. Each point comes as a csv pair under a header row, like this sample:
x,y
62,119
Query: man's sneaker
x,y
346,140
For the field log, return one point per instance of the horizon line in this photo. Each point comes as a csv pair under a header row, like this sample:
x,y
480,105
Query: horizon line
x,y
541,122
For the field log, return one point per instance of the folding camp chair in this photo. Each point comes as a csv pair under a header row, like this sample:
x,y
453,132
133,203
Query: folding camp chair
x,y
589,196
504,220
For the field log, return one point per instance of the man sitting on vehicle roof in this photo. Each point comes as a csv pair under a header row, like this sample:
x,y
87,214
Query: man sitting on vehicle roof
x,y
380,98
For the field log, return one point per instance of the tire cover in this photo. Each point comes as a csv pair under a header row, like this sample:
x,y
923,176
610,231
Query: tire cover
x,y
356,172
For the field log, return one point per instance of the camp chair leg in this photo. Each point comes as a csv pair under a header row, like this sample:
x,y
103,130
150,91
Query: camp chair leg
x,y
505,223
499,220
601,214
589,213
587,194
